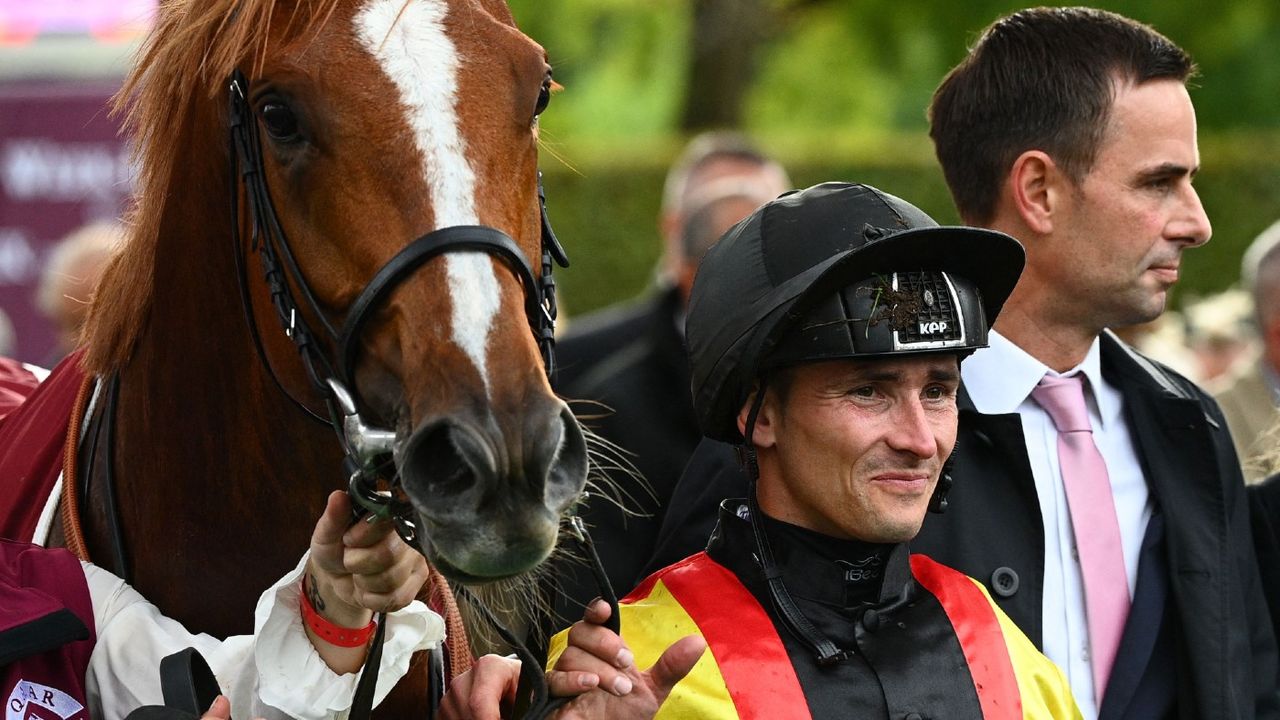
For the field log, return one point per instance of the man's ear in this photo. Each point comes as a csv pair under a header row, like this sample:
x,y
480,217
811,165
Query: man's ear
x,y
1037,184
765,434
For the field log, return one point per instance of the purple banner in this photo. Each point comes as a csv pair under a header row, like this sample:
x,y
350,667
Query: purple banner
x,y
62,165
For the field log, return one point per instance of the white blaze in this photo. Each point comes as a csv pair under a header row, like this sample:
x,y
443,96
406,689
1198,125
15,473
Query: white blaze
x,y
415,53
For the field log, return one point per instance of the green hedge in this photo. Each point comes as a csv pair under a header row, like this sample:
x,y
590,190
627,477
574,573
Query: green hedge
x,y
605,206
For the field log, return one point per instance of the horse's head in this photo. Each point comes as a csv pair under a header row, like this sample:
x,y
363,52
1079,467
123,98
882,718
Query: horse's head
x,y
398,118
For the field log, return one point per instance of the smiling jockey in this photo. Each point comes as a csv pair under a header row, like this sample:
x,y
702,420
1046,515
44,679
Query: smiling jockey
x,y
825,334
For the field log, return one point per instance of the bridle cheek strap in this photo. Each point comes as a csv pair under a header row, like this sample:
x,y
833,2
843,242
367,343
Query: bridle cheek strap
x,y
453,239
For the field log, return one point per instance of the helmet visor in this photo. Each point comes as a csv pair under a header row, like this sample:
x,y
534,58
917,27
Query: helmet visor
x,y
889,314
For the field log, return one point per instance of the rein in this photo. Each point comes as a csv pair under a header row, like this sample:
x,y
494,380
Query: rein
x,y
73,533
533,701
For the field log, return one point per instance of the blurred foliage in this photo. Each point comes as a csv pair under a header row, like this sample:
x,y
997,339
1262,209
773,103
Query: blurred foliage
x,y
606,210
839,91
835,65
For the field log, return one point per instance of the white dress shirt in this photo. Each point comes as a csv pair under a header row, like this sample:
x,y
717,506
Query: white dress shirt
x,y
999,380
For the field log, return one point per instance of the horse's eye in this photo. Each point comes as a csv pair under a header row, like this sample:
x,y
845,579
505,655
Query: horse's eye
x,y
280,122
544,97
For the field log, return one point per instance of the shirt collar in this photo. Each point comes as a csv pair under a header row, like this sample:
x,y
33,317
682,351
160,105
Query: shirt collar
x,y
1000,377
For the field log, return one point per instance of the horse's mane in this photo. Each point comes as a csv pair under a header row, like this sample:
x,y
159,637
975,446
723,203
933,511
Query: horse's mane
x,y
183,65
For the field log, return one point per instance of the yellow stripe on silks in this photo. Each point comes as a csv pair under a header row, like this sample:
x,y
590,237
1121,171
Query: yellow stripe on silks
x,y
1043,687
649,627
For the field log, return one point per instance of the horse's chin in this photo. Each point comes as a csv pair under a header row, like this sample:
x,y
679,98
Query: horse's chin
x,y
456,575
472,561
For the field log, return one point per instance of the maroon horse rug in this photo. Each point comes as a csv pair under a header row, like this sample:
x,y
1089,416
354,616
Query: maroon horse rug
x,y
34,420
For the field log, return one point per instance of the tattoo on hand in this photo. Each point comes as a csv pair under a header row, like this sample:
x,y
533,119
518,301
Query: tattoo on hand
x,y
313,593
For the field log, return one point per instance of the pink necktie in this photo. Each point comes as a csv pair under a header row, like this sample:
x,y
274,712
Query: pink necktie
x,y
1093,518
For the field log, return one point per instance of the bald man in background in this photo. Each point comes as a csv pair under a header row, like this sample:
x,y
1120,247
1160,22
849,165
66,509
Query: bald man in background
x,y
70,277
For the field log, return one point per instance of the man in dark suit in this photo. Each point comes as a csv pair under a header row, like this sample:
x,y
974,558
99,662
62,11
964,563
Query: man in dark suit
x,y
1072,130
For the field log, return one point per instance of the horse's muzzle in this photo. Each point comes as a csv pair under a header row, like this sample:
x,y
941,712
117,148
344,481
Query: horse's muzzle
x,y
490,499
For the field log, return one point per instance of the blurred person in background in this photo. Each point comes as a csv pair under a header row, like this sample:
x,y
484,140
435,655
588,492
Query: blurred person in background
x,y
645,409
628,362
1220,333
1250,398
69,278
718,159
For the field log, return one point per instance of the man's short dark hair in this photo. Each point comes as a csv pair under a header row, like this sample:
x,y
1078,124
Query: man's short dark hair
x,y
1043,78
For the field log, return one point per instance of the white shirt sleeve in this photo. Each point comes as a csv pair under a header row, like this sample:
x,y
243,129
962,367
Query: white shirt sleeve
x,y
274,673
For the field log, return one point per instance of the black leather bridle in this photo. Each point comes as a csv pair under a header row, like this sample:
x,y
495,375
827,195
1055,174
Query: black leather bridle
x,y
334,378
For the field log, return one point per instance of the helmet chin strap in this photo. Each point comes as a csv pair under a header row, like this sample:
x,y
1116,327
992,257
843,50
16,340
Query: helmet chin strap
x,y
795,621
938,501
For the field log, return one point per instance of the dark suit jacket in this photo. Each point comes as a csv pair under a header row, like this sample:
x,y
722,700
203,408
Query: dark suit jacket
x,y
592,337
1225,655
1264,507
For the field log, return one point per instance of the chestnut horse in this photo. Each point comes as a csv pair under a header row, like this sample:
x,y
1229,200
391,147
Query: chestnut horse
x,y
375,122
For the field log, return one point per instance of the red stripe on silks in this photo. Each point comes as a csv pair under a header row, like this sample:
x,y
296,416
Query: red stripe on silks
x,y
978,631
742,638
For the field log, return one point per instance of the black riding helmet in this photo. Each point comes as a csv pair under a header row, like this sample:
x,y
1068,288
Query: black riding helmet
x,y
836,271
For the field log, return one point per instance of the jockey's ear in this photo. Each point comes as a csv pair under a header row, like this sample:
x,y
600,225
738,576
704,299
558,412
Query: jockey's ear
x,y
767,415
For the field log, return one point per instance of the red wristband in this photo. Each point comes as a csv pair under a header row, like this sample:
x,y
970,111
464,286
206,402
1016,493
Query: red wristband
x,y
330,633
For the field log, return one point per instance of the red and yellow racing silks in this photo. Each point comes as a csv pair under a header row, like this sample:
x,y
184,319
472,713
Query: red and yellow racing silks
x,y
747,673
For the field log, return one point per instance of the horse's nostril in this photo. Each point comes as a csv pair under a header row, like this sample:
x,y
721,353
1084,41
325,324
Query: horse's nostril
x,y
563,462
442,460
